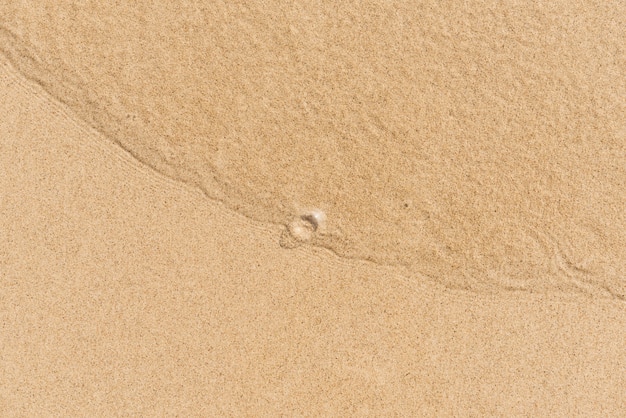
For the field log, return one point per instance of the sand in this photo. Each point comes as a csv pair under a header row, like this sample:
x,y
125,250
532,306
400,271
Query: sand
x,y
369,209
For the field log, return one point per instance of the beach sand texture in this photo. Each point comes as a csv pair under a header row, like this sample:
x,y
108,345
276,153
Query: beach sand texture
x,y
317,209
479,145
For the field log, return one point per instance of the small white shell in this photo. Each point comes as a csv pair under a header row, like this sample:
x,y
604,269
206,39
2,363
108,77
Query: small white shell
x,y
303,227
301,230
315,217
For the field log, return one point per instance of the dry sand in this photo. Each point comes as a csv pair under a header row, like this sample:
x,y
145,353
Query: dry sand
x,y
316,209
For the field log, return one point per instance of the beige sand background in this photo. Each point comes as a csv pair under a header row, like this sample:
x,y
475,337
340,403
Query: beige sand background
x,y
470,162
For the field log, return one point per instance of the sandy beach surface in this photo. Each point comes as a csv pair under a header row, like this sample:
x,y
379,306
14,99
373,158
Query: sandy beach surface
x,y
313,209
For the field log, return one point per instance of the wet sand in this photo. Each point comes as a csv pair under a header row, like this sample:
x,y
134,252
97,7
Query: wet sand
x,y
480,146
247,210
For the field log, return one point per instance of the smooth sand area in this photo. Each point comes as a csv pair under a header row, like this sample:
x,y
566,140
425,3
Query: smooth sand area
x,y
331,209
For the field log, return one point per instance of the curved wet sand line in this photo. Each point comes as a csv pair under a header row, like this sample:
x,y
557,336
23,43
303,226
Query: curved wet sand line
x,y
121,290
482,147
